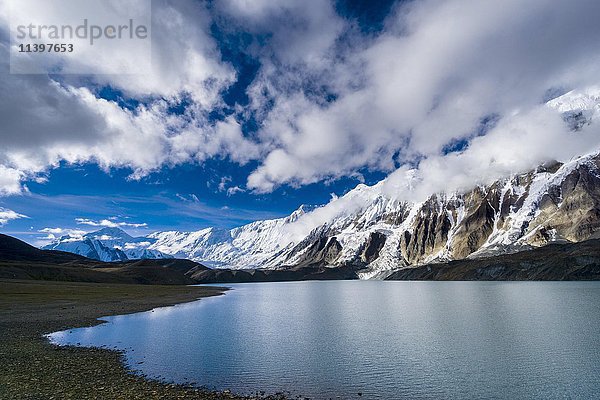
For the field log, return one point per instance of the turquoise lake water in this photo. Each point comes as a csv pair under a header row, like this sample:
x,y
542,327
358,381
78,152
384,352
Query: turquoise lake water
x,y
385,340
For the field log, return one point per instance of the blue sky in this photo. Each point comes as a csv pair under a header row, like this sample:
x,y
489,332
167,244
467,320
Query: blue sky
x,y
180,198
252,108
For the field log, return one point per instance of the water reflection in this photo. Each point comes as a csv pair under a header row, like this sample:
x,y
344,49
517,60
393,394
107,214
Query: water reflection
x,y
386,340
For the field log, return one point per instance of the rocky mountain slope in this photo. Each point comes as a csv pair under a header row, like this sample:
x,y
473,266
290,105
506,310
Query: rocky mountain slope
x,y
556,262
558,202
555,203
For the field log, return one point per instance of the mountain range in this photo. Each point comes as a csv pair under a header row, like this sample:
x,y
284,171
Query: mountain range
x,y
557,202
108,244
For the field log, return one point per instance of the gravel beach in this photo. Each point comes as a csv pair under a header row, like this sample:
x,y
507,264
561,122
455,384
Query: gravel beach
x,y
32,368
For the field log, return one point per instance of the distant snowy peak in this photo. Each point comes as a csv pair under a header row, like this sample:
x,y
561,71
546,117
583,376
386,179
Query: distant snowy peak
x,y
580,100
112,233
579,108
108,244
299,212
249,246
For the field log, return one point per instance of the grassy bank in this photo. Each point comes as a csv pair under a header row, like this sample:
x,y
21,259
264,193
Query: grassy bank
x,y
31,368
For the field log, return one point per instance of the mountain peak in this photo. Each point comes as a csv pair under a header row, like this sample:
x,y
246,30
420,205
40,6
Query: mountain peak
x,y
108,244
300,211
112,232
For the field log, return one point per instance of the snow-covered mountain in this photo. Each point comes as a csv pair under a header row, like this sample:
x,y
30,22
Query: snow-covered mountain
x,y
557,202
107,244
257,244
375,232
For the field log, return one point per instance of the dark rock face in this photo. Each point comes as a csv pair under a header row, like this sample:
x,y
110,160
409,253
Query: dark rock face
x,y
574,261
396,217
275,275
316,237
479,224
93,254
323,251
572,209
429,232
373,247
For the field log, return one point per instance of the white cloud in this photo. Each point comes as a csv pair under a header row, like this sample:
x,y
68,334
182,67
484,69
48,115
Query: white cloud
x,y
109,224
46,122
235,189
432,75
52,231
231,190
185,58
223,183
517,144
63,231
65,123
437,69
138,245
10,181
296,33
55,233
7,215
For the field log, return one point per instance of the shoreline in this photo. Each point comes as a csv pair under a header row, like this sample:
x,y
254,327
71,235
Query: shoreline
x,y
31,367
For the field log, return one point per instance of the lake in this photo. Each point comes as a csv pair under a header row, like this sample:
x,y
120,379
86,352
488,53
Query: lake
x,y
386,340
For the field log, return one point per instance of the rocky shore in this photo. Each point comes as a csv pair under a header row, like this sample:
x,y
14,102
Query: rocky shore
x,y
32,368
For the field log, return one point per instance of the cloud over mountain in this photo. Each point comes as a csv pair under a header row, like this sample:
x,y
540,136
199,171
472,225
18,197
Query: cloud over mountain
x,y
108,223
327,99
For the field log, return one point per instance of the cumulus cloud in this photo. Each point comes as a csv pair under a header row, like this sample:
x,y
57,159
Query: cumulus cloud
x,y
47,120
107,223
10,181
7,215
517,144
436,71
296,33
67,123
327,100
185,58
